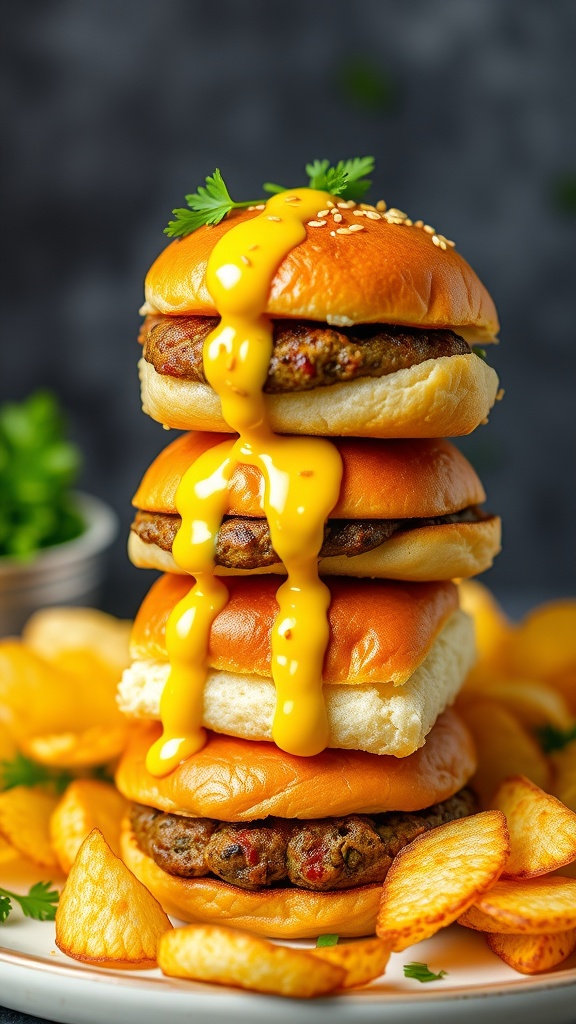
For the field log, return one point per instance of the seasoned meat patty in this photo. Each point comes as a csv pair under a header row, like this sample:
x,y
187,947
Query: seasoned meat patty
x,y
245,543
306,354
324,855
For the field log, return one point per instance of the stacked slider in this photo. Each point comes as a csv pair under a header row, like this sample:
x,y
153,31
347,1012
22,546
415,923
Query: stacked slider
x,y
307,616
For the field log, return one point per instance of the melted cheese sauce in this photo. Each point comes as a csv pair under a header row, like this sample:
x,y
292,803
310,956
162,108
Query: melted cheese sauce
x,y
302,478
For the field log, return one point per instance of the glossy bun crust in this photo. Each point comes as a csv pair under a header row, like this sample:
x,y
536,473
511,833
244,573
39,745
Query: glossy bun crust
x,y
387,273
380,631
381,479
233,779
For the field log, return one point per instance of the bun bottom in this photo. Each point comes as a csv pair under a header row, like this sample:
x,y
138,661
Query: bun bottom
x,y
289,913
446,552
445,397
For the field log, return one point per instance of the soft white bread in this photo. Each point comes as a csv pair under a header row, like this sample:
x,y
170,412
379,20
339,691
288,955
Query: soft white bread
x,y
445,397
379,718
446,552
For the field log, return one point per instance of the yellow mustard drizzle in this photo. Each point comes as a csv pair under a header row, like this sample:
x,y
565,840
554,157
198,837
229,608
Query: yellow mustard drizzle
x,y
302,478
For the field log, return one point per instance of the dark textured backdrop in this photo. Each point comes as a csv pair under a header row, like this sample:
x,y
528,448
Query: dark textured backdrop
x,y
112,111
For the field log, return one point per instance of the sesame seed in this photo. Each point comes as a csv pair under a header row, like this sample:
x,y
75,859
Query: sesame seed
x,y
359,213
253,247
289,199
418,223
277,219
329,204
351,204
337,217
316,223
342,206
246,261
231,364
366,206
261,206
250,208
306,472
238,391
332,232
429,230
408,222
436,240
322,213
397,213
450,243
343,231
287,634
500,394
381,205
372,215
356,227
394,220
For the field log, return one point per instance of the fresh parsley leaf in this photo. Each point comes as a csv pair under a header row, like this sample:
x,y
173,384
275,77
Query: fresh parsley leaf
x,y
345,179
551,738
209,205
23,772
480,352
270,187
326,940
421,972
5,908
40,903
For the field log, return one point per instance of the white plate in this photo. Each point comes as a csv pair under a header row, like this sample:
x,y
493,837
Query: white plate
x,y
36,978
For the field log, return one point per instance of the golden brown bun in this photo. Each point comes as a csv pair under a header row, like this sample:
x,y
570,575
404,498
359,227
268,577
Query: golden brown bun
x,y
380,480
446,552
446,397
289,913
232,779
380,631
387,273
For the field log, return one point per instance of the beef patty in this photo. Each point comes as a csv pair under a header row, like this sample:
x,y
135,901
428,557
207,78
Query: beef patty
x,y
321,855
306,354
245,543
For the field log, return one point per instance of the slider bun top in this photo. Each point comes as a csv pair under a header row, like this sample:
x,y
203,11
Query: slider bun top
x,y
380,630
387,273
397,479
240,780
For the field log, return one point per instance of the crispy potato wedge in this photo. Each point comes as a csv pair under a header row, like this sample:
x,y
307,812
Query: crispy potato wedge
x,y
34,696
87,804
7,852
532,954
532,703
75,638
105,915
543,646
491,625
363,961
94,746
525,907
25,823
504,748
438,876
224,956
542,829
564,787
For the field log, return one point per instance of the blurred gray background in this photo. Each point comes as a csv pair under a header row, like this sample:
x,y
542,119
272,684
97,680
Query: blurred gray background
x,y
113,111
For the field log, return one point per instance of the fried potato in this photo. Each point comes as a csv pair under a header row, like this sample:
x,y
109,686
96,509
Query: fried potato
x,y
543,646
504,748
94,746
525,907
25,824
8,748
363,961
225,956
87,804
564,787
542,829
434,879
533,704
72,638
34,696
531,954
7,852
105,915
491,625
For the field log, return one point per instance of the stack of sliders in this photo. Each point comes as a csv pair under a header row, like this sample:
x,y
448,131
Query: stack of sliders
x,y
294,667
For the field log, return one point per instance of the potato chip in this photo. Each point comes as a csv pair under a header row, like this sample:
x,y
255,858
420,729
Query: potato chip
x,y
542,829
531,954
434,879
363,961
94,746
533,704
504,748
86,804
544,644
105,915
25,823
225,956
66,636
529,907
564,762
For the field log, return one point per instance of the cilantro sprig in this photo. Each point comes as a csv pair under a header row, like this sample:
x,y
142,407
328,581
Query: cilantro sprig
x,y
421,972
552,739
40,902
212,201
21,771
38,466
